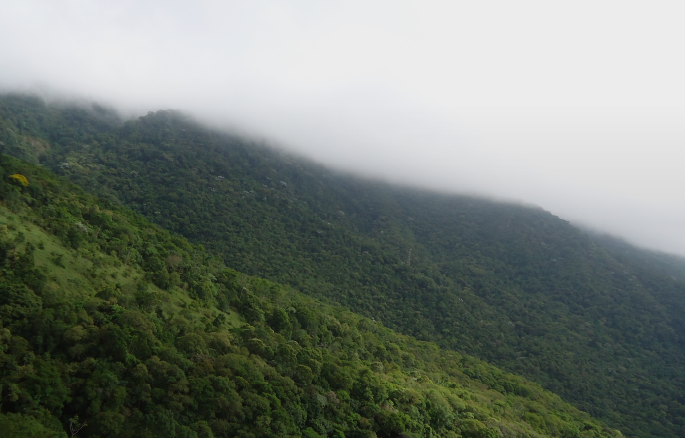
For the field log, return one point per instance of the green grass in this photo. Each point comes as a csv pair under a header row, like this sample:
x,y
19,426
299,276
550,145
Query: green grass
x,y
69,270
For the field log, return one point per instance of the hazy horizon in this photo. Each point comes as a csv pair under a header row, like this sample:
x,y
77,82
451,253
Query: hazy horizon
x,y
575,108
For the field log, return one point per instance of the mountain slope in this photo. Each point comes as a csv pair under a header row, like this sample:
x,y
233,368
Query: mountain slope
x,y
666,265
109,322
510,284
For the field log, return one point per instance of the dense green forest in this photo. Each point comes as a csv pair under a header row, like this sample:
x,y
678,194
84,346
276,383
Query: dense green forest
x,y
113,327
512,285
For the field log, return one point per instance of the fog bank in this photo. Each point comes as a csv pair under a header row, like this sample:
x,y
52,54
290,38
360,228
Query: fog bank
x,y
577,108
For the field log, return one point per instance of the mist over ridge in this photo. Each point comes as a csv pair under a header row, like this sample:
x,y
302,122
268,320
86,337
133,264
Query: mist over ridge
x,y
379,165
480,176
504,101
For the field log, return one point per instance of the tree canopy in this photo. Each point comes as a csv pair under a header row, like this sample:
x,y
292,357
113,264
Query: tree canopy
x,y
509,284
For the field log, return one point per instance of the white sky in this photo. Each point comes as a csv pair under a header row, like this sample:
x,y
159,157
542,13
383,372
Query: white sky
x,y
575,106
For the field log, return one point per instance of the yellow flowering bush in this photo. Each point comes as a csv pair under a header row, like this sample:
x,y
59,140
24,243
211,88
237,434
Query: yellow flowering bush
x,y
21,179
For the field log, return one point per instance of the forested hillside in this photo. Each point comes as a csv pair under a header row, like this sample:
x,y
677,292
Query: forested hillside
x,y
509,284
113,327
668,265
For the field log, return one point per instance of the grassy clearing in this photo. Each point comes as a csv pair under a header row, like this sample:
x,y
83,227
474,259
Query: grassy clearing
x,y
79,274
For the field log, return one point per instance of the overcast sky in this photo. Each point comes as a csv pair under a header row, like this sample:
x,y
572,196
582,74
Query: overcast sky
x,y
578,107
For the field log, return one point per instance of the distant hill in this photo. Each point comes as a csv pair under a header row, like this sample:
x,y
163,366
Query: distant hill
x,y
512,285
111,323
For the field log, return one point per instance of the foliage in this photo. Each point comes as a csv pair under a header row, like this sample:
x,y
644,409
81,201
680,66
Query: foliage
x,y
21,179
510,284
137,333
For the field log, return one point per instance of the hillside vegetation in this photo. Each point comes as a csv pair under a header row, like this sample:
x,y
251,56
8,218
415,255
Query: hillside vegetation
x,y
665,265
512,285
109,322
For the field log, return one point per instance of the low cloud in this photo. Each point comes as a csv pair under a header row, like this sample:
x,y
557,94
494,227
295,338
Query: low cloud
x,y
577,108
